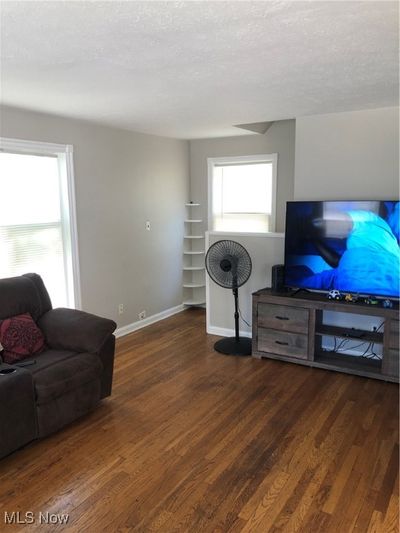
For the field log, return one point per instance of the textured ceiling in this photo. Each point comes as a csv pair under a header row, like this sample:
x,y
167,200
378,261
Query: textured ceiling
x,y
194,69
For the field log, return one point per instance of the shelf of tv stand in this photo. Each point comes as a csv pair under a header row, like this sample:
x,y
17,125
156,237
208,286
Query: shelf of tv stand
x,y
349,363
290,328
349,333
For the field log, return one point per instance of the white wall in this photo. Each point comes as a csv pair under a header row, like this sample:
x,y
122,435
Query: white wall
x,y
265,250
122,179
352,155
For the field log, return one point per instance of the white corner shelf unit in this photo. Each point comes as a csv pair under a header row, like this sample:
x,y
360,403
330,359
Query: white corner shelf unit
x,y
194,283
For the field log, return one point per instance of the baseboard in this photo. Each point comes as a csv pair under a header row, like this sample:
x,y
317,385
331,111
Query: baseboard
x,y
226,332
130,328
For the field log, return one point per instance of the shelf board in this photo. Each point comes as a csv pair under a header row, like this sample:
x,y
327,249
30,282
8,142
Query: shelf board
x,y
349,333
192,205
194,268
194,237
348,362
194,302
193,285
190,220
194,253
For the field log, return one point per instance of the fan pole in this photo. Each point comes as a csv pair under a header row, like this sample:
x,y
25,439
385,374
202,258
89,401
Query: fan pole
x,y
236,296
234,345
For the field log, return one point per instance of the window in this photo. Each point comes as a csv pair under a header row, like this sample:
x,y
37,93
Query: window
x,y
242,193
37,217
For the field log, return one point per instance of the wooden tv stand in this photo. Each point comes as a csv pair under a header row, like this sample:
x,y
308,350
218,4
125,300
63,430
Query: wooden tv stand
x,y
290,328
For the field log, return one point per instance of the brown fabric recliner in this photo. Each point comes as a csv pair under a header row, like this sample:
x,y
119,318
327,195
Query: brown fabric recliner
x,y
65,381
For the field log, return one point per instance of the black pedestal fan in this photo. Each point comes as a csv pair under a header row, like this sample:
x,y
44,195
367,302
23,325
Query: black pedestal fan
x,y
229,265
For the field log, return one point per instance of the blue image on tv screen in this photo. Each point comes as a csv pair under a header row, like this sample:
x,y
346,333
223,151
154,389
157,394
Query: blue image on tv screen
x,y
350,246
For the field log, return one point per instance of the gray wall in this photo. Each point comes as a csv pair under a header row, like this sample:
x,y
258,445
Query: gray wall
x,y
122,179
265,249
338,156
280,139
352,155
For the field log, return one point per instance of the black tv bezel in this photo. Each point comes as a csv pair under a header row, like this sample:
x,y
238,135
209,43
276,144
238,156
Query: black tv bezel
x,y
325,291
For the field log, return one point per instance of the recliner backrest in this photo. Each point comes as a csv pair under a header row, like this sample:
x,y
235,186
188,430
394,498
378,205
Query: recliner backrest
x,y
23,294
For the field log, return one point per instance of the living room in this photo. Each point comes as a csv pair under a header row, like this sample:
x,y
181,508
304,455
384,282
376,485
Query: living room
x,y
137,101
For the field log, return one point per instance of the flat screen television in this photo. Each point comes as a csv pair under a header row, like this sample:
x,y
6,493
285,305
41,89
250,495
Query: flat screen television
x,y
351,246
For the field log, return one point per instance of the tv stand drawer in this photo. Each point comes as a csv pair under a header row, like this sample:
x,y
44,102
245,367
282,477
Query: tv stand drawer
x,y
283,343
283,317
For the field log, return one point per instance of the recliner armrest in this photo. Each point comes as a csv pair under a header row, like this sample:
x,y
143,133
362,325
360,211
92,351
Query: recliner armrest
x,y
70,329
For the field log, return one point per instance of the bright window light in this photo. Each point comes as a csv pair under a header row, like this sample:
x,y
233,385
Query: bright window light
x,y
242,195
34,233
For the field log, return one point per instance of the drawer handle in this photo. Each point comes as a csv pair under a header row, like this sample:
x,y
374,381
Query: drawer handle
x,y
282,317
282,343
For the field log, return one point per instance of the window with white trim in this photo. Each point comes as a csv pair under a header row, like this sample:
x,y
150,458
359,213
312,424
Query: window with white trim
x,y
37,217
242,193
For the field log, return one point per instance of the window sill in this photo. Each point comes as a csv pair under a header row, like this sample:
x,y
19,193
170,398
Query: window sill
x,y
247,233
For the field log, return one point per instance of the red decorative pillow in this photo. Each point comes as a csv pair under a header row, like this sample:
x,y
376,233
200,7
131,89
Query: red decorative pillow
x,y
20,338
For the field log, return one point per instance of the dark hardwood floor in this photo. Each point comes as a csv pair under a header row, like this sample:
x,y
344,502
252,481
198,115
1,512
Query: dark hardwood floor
x,y
194,441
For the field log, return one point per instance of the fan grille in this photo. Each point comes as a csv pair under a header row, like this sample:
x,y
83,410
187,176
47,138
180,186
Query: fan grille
x,y
223,259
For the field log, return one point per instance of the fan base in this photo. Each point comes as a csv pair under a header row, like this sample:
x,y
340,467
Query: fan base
x,y
230,346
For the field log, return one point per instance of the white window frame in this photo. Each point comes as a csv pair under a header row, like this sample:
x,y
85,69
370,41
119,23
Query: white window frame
x,y
212,162
64,154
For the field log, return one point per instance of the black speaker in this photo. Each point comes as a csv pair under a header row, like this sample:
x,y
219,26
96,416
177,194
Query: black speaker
x,y
278,278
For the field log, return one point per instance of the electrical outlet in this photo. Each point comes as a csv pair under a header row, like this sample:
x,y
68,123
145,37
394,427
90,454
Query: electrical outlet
x,y
142,315
120,309
148,225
